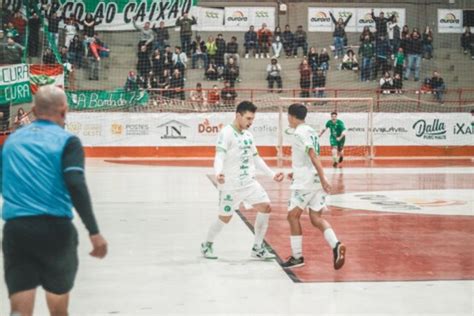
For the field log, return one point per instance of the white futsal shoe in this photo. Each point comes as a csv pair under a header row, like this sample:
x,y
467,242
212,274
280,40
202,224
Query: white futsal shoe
x,y
207,251
262,253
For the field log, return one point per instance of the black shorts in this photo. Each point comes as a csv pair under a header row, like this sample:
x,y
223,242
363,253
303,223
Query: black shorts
x,y
40,250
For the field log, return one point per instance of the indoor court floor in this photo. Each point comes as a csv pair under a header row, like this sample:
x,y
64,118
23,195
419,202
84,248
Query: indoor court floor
x,y
408,227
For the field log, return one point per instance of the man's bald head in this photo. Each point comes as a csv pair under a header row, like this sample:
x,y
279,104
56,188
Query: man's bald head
x,y
50,104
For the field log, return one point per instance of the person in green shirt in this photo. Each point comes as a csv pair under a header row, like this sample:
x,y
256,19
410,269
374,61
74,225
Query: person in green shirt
x,y
337,137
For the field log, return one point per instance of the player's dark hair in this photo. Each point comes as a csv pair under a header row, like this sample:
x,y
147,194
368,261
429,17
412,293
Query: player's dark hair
x,y
246,106
298,110
334,113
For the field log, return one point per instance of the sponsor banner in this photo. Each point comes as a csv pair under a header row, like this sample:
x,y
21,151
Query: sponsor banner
x,y
95,100
319,19
14,84
209,19
450,21
41,75
201,129
240,18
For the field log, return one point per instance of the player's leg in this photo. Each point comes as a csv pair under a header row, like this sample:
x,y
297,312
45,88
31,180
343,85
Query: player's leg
x,y
340,149
22,303
57,304
297,204
335,157
316,207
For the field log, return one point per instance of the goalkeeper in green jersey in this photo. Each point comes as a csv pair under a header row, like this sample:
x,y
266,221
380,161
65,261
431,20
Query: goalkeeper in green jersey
x,y
337,138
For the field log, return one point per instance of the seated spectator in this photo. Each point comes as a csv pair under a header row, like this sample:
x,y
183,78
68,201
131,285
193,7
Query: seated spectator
x,y
221,47
64,55
264,41
274,74
21,119
164,82
349,61
12,52
398,83
228,95
213,97
324,60
211,50
147,35
399,61
76,52
300,40
162,36
144,66
232,50
313,58
198,97
179,60
251,42
438,86
426,87
386,83
319,83
305,78
427,43
177,85
288,41
48,57
467,40
132,83
211,72
277,46
198,49
231,72
276,32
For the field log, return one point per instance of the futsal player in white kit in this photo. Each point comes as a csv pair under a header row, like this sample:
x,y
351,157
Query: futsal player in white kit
x,y
309,188
234,167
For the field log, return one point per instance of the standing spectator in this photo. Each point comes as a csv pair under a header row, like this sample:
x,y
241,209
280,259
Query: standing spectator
x,y
12,32
64,55
428,43
300,40
71,29
94,58
405,32
313,58
277,46
20,25
198,48
21,119
251,42
366,51
381,23
398,83
177,85
180,60
156,68
319,83
228,95
53,24
382,55
162,36
211,49
349,61
147,36
386,83
185,23
34,24
13,52
198,98
274,74
168,59
466,40
438,86
399,62
394,35
305,78
211,72
339,35
414,51
264,41
213,97
231,72
48,57
143,66
220,44
89,25
324,60
366,32
232,50
288,41
76,52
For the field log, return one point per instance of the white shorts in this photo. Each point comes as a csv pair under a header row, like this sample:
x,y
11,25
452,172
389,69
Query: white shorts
x,y
229,200
312,199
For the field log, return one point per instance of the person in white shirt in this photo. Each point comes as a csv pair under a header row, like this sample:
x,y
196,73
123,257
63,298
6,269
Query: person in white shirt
x,y
71,29
234,167
309,188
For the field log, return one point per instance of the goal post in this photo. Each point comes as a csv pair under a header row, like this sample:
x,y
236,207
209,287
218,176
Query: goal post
x,y
343,106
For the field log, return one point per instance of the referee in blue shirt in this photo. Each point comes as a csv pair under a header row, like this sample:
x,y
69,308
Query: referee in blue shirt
x,y
43,178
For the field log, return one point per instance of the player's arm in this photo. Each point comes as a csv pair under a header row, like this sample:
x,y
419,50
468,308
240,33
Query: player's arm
x,y
322,131
343,134
319,168
262,165
74,178
223,144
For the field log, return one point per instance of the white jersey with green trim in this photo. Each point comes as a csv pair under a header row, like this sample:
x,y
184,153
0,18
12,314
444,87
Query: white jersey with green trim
x,y
305,176
239,166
